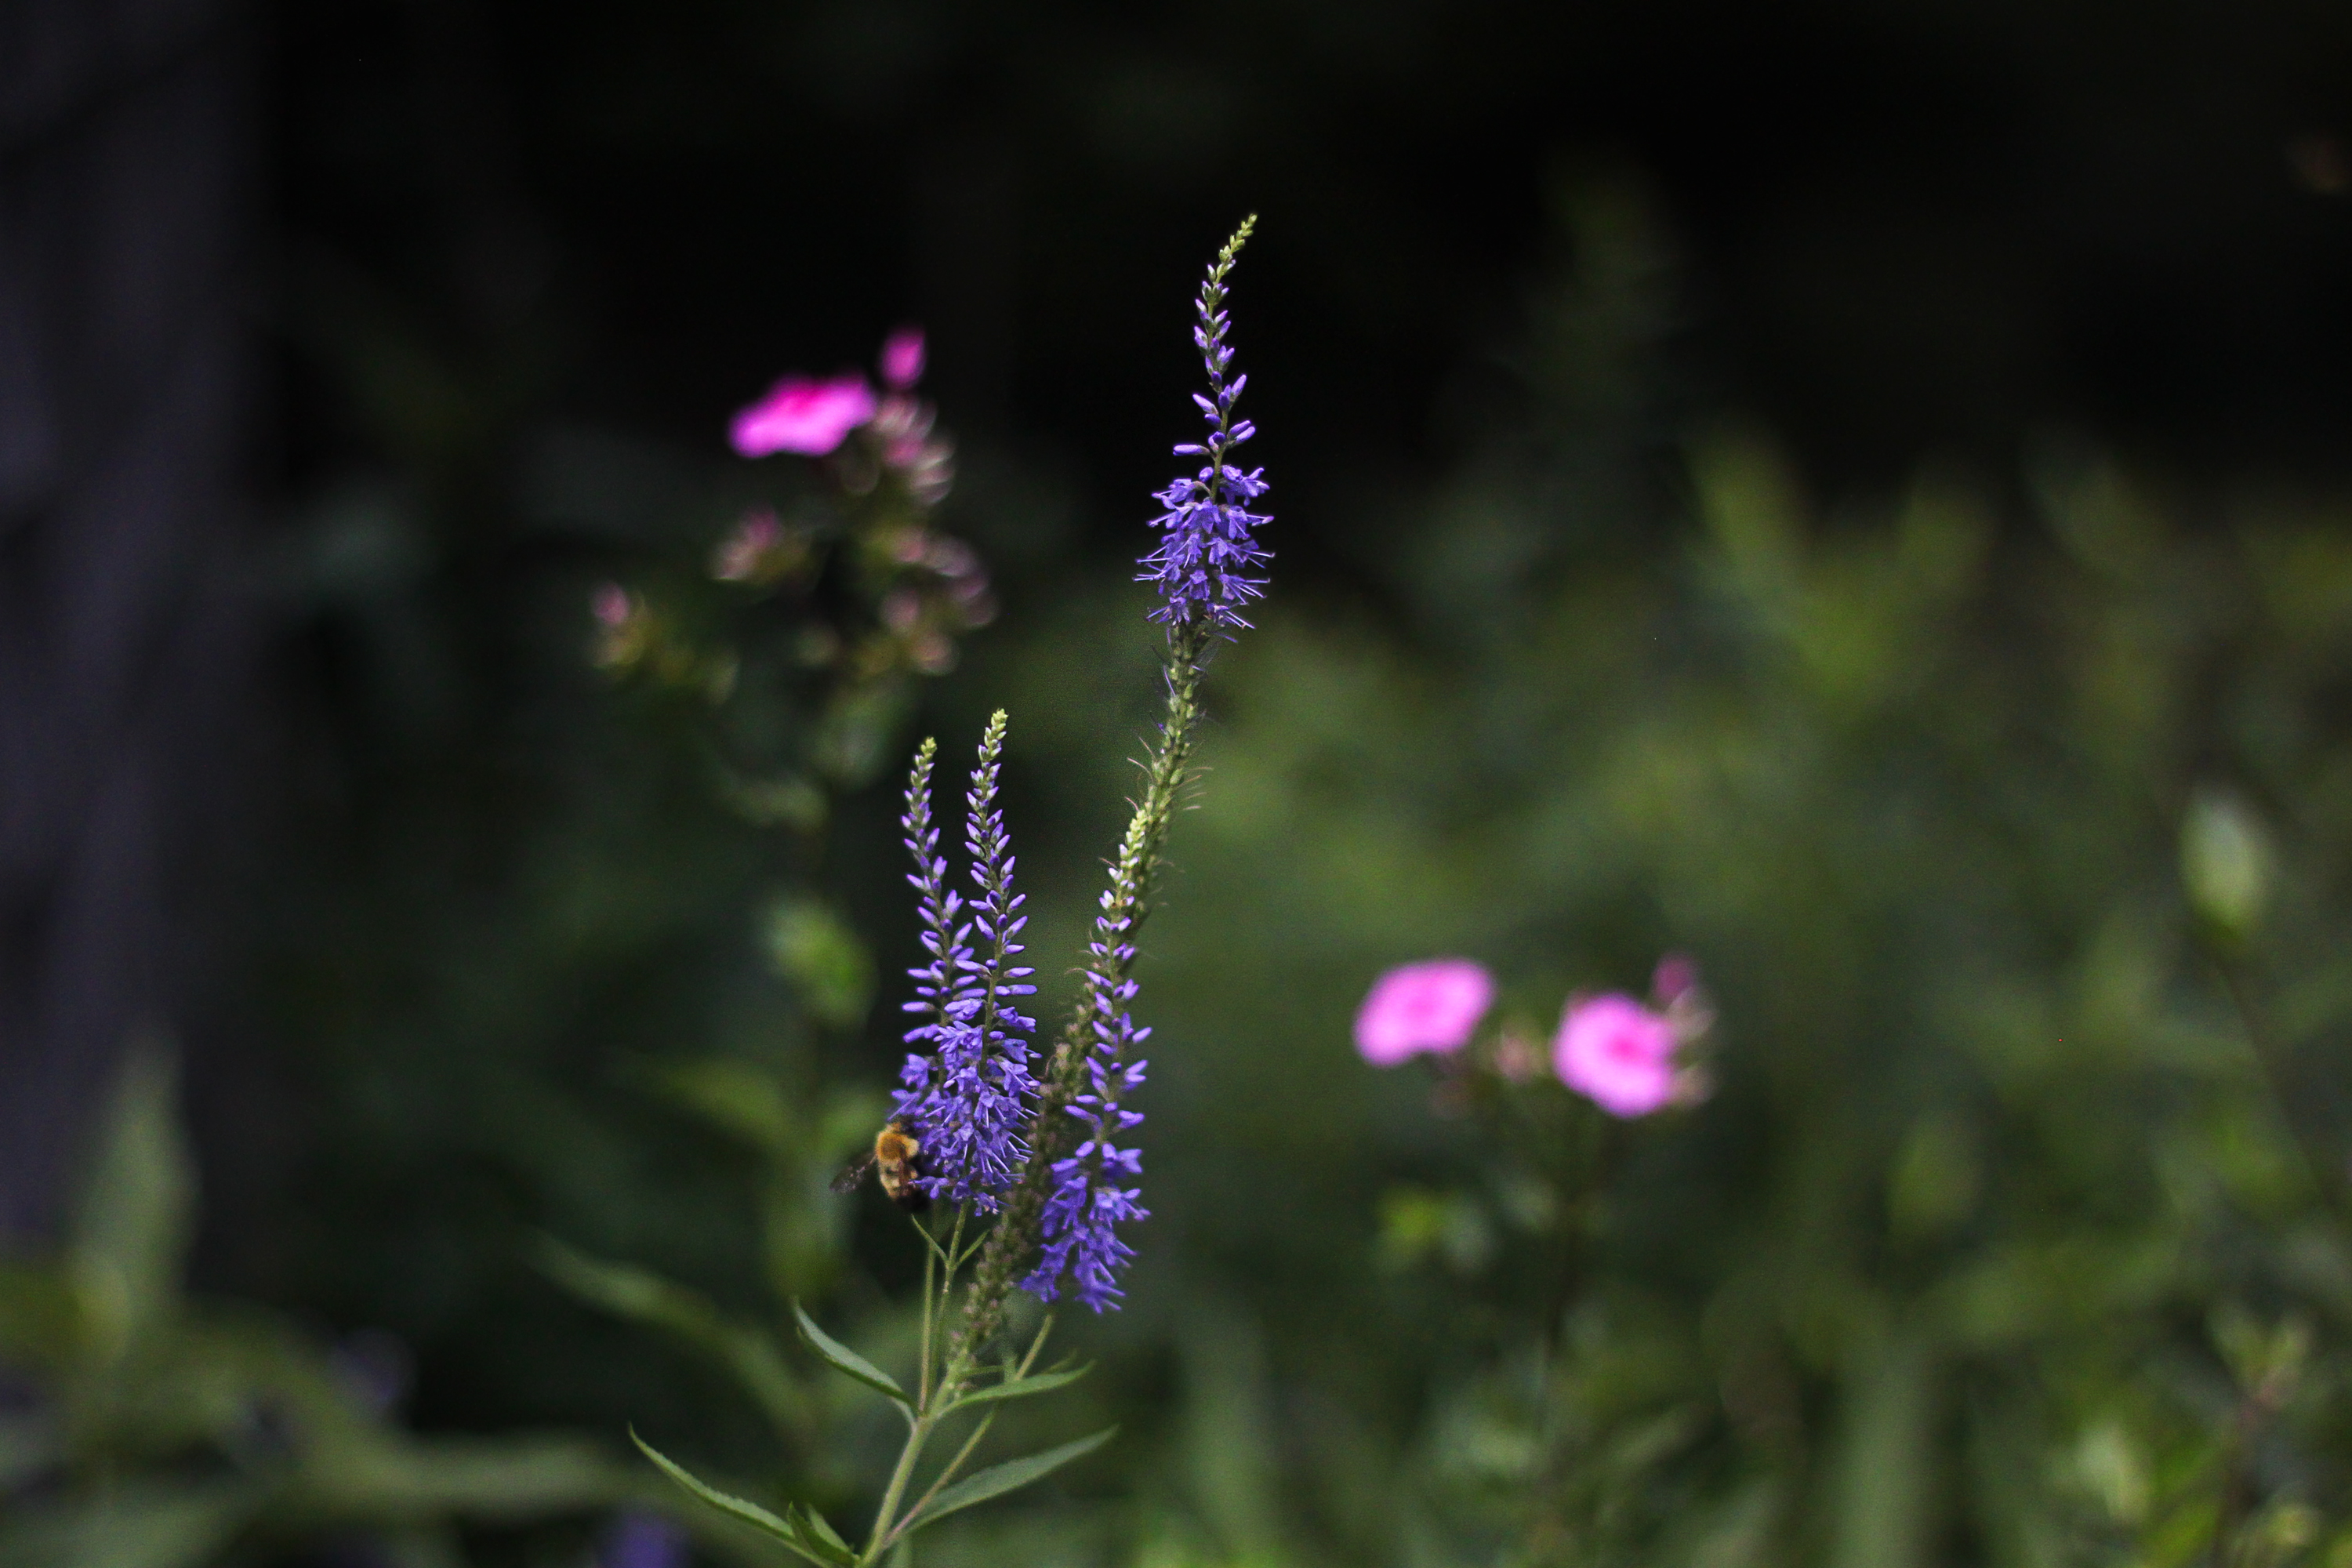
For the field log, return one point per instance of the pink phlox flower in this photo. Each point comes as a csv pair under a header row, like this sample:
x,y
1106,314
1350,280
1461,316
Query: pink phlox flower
x,y
1428,1007
811,417
902,357
1618,1054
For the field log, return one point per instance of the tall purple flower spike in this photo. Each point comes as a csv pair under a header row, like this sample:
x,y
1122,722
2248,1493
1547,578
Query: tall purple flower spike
x,y
1205,556
968,1088
1201,568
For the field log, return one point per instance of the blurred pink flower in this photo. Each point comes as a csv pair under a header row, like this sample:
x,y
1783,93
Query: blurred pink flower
x,y
741,555
1677,978
1427,1006
1618,1054
811,417
612,605
902,357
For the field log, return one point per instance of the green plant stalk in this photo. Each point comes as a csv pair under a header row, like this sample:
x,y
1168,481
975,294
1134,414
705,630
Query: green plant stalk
x,y
1167,768
936,1400
947,1473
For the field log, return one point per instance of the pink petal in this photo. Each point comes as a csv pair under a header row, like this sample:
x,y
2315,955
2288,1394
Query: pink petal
x,y
902,357
811,417
1428,1007
1616,1053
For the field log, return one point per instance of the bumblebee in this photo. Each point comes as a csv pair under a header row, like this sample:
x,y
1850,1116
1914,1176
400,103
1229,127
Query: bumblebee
x,y
896,1159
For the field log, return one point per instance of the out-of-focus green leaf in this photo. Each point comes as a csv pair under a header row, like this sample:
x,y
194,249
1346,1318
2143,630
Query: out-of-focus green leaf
x,y
829,967
738,1509
2226,861
737,1098
848,1362
40,1316
143,1525
387,1476
1886,1491
1021,1387
133,1224
998,1480
645,1297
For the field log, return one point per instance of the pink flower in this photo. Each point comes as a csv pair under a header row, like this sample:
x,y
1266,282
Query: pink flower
x,y
1427,1006
902,357
1618,1054
811,417
742,555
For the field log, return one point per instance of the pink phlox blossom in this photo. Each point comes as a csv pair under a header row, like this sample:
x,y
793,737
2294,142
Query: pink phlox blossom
x,y
1618,1054
902,357
798,415
1433,1005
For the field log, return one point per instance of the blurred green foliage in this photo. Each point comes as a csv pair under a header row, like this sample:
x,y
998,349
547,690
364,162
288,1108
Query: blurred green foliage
x,y
2003,810
173,1432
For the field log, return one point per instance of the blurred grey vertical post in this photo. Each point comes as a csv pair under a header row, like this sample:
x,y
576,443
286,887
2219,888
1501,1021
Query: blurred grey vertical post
x,y
125,156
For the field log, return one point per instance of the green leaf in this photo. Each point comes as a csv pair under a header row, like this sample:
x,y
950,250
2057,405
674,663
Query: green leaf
x,y
738,1509
735,1097
821,1535
848,1362
644,1296
131,1228
137,1525
814,948
998,1480
1021,1387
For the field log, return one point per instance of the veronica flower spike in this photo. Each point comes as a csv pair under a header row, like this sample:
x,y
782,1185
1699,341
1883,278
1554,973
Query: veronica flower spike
x,y
967,1090
1209,549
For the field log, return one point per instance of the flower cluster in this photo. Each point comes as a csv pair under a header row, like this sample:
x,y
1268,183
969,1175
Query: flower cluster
x,y
815,418
1204,562
1624,1056
968,1088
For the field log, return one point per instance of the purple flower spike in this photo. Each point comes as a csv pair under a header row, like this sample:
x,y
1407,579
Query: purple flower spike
x,y
967,1089
1204,559
1090,1200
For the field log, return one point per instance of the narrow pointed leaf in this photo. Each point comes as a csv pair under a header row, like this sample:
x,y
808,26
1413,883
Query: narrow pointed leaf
x,y
822,1536
131,1229
740,1510
998,1480
1022,1387
848,1362
642,1297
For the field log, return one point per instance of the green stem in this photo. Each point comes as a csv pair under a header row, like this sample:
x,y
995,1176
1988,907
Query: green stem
x,y
955,1464
917,1435
923,1367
